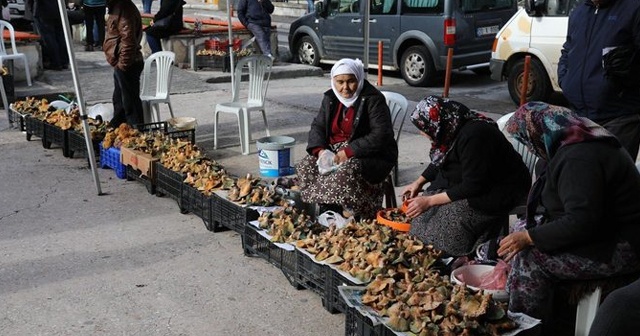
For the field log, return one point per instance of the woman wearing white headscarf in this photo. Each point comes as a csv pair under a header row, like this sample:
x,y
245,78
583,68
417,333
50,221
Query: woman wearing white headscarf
x,y
354,124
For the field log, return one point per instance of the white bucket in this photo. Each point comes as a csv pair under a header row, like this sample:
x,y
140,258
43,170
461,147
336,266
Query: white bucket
x,y
275,157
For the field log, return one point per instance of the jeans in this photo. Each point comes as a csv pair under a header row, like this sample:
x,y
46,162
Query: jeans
x,y
146,6
310,6
263,37
127,106
91,15
154,43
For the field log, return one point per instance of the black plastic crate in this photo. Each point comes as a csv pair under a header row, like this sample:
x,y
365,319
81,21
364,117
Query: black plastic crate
x,y
254,244
333,301
33,126
168,183
189,135
194,201
77,144
357,325
54,135
311,275
232,215
136,175
154,126
17,119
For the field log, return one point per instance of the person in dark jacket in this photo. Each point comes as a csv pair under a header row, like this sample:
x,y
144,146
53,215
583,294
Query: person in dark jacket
x,y
46,17
170,10
353,130
595,28
587,225
256,16
475,178
122,50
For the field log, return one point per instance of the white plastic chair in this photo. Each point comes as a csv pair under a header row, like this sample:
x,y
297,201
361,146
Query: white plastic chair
x,y
151,101
259,67
4,55
586,312
398,106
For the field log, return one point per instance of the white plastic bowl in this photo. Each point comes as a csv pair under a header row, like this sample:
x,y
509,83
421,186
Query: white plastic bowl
x,y
59,104
183,123
472,275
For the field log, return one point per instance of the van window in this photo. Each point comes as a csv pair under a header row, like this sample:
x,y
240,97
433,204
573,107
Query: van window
x,y
343,6
422,6
470,6
384,7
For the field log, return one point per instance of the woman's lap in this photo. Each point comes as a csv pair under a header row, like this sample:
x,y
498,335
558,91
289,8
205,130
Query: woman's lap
x,y
345,186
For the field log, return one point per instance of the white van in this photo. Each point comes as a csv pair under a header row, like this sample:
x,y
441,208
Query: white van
x,y
538,30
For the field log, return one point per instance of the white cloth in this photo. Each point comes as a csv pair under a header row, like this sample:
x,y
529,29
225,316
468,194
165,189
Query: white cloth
x,y
347,66
6,14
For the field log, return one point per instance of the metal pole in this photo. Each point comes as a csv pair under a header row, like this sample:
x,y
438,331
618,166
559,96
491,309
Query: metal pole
x,y
525,80
231,55
447,76
74,71
365,29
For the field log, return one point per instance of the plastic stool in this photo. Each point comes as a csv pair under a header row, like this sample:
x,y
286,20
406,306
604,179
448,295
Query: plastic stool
x,y
586,312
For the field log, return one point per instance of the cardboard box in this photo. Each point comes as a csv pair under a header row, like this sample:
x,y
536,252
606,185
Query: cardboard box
x,y
138,160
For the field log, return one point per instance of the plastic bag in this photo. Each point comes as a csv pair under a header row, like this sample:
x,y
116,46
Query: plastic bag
x,y
497,279
103,110
330,217
325,162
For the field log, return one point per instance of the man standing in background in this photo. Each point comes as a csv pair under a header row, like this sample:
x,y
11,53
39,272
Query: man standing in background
x,y
256,16
122,50
598,27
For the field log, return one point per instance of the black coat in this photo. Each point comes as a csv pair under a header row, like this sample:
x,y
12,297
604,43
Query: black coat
x,y
372,139
592,200
256,12
168,8
483,168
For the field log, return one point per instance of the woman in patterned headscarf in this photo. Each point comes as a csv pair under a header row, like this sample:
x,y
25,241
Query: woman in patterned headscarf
x,y
475,178
590,200
353,125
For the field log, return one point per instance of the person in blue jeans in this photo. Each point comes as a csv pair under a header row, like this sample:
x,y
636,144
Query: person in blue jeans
x,y
146,6
169,10
310,6
256,16
94,11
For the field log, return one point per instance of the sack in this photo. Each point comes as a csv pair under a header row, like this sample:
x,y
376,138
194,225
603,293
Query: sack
x,y
164,22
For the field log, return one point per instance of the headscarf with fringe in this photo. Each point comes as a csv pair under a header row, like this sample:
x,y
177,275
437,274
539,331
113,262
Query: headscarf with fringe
x,y
441,119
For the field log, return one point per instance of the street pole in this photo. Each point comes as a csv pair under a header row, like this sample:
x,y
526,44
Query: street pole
x,y
76,83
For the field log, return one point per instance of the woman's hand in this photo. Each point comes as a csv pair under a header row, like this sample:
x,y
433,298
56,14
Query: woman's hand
x,y
412,190
340,157
420,204
514,243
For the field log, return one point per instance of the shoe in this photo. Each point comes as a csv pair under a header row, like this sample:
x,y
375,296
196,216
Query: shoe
x,y
97,47
53,67
88,47
65,67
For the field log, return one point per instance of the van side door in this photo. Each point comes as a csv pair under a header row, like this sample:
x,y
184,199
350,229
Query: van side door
x,y
342,30
384,25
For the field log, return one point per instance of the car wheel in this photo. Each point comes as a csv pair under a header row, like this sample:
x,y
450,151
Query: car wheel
x,y
307,51
538,85
417,67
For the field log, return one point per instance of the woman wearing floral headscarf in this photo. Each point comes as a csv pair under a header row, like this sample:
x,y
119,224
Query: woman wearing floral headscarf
x,y
354,126
475,178
590,197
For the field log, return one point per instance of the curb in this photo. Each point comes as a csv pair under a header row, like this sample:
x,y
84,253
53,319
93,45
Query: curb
x,y
278,72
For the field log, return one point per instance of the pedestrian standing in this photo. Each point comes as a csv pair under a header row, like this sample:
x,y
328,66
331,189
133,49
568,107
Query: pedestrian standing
x,y
122,50
94,11
47,20
597,27
256,16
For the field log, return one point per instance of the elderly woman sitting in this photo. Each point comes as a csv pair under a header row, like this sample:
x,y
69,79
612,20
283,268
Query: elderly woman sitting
x,y
353,130
590,195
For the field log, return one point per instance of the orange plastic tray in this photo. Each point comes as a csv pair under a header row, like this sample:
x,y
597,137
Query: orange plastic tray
x,y
400,226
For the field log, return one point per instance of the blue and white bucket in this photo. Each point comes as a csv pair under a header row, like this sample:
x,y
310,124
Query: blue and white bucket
x,y
274,153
